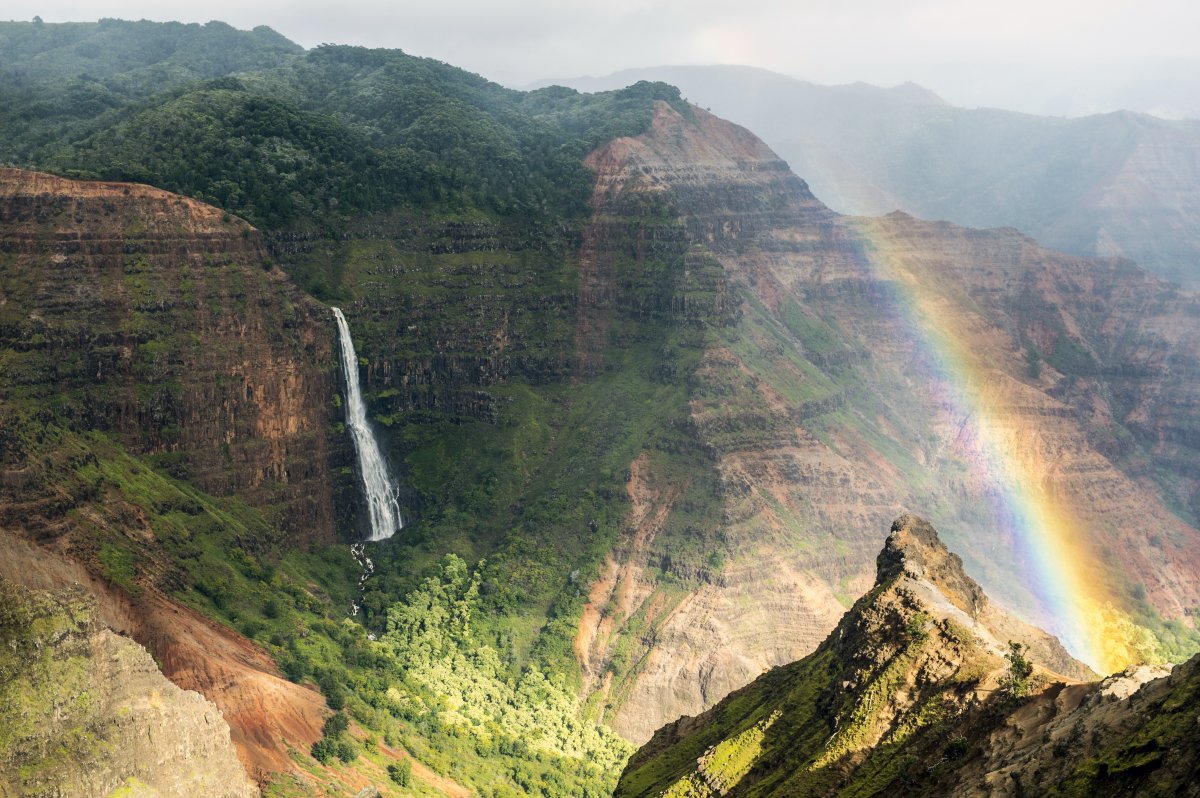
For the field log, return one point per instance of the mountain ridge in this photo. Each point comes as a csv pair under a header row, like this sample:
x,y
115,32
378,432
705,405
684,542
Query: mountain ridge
x,y
909,693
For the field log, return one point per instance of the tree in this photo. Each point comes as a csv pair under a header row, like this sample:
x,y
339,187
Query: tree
x,y
1016,683
336,724
323,750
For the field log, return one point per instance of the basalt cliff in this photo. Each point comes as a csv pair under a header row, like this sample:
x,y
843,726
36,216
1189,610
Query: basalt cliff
x,y
924,688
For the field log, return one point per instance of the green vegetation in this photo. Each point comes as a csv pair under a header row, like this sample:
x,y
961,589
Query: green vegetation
x,y
59,80
400,772
1018,682
301,140
44,672
460,708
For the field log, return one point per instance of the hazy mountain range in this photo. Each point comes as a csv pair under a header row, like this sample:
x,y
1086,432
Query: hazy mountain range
x,y
1115,184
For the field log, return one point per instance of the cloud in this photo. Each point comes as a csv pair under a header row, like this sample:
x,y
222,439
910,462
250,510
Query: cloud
x,y
518,41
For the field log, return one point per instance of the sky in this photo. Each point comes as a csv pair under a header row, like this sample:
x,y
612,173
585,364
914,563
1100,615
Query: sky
x,y
1026,48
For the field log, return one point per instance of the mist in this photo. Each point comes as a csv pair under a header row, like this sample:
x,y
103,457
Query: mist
x,y
1062,58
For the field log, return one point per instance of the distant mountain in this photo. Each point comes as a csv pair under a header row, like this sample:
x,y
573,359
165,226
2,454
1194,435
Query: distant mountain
x,y
925,689
1168,89
56,79
1115,184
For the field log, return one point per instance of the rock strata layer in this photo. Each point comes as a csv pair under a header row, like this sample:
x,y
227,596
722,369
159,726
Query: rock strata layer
x,y
159,319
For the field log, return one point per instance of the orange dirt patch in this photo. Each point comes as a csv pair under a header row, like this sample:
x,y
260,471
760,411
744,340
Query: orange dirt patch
x,y
589,623
620,586
266,713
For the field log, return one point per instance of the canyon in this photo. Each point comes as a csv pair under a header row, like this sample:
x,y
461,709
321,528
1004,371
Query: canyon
x,y
810,459
645,451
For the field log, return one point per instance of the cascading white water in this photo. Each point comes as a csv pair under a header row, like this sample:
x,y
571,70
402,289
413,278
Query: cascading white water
x,y
383,498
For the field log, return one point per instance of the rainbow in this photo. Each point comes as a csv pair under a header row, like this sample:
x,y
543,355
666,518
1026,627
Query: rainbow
x,y
1062,570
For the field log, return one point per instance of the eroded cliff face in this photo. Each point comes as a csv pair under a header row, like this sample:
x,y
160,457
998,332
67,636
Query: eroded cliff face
x,y
160,320
924,688
154,359
266,714
826,412
87,712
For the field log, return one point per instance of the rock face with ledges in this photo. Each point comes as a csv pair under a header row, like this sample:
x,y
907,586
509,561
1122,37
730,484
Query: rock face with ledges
x,y
160,319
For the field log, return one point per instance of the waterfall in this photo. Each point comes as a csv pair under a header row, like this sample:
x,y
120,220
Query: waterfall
x,y
383,499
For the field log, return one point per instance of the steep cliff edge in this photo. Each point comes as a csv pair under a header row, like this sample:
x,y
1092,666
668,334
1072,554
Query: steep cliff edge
x,y
922,690
87,712
159,320
167,434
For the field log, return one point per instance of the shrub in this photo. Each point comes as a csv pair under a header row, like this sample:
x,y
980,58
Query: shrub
x,y
336,724
345,749
323,750
401,772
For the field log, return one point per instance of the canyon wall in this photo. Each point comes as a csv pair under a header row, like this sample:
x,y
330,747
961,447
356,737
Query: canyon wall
x,y
160,320
825,409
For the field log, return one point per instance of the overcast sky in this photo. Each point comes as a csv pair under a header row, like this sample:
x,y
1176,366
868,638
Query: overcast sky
x,y
881,41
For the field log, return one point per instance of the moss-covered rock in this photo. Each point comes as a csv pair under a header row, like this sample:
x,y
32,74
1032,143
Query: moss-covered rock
x,y
87,712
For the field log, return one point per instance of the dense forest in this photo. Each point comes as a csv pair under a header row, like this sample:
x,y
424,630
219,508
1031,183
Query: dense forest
x,y
287,139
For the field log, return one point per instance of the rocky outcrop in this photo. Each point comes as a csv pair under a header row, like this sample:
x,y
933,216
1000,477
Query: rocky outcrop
x,y
916,693
266,714
1129,734
87,712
